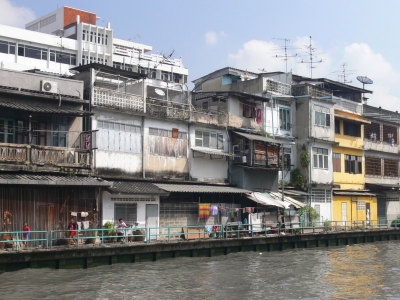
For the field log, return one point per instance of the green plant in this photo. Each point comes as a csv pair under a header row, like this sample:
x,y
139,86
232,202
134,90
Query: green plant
x,y
327,223
312,214
110,225
67,234
297,179
305,158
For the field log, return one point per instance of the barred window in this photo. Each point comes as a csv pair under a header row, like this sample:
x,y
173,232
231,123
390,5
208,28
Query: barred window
x,y
360,205
118,137
321,196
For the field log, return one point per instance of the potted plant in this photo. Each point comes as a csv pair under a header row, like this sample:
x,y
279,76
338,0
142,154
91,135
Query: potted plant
x,y
111,233
66,240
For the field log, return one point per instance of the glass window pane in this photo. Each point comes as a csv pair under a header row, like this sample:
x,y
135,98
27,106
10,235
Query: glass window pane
x,y
4,47
12,49
206,139
325,162
320,158
33,52
21,50
315,161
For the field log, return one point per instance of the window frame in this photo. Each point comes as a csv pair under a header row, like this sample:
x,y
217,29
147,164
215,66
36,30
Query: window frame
x,y
320,111
218,137
320,158
337,162
353,164
284,112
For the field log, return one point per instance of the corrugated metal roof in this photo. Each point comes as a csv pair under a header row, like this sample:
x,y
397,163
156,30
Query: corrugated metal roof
x,y
294,192
192,188
212,151
254,137
290,200
48,109
265,199
139,188
29,179
340,116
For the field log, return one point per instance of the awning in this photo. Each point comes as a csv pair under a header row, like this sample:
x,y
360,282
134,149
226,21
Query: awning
x,y
260,138
192,188
265,199
340,116
135,188
45,110
212,151
294,202
28,179
353,193
295,193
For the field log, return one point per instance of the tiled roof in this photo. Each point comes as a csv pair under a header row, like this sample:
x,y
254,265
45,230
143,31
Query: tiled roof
x,y
192,188
48,109
29,179
131,187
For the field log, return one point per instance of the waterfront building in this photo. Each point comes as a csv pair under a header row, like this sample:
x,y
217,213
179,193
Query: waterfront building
x,y
45,154
381,151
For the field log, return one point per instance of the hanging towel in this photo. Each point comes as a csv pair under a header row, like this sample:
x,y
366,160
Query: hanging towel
x,y
85,225
204,210
258,116
84,214
214,210
74,214
79,225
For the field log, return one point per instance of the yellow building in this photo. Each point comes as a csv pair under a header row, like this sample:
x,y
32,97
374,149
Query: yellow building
x,y
351,202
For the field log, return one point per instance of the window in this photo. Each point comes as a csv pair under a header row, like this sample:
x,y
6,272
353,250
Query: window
x,y
284,118
248,109
7,47
337,164
373,166
7,131
126,211
391,167
360,205
352,164
59,134
337,126
321,195
163,143
322,116
209,139
320,156
352,129
119,137
38,135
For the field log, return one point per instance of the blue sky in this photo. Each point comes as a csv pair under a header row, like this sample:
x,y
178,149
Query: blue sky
x,y
209,35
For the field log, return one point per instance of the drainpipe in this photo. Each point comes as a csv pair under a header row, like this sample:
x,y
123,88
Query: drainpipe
x,y
143,160
229,149
272,114
310,148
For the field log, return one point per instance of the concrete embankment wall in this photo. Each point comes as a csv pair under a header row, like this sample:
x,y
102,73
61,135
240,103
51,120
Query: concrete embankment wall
x,y
88,256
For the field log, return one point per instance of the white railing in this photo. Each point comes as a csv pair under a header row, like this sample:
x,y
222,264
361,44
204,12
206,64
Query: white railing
x,y
114,99
349,106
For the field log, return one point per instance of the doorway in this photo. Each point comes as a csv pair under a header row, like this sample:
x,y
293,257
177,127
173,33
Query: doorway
x,y
344,213
152,219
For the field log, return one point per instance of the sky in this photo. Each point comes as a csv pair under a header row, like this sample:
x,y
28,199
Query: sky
x,y
249,35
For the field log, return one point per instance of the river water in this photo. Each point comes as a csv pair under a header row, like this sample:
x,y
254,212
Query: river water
x,y
363,271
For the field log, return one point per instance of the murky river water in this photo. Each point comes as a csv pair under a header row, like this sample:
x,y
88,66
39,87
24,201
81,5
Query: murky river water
x,y
365,271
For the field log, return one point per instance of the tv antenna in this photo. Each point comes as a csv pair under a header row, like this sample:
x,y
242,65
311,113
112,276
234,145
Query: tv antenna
x,y
166,58
342,74
311,53
285,55
364,80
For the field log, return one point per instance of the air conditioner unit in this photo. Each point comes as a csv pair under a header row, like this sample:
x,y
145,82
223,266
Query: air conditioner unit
x,y
48,86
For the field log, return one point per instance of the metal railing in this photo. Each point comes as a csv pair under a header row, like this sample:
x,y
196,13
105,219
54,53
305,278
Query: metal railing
x,y
99,236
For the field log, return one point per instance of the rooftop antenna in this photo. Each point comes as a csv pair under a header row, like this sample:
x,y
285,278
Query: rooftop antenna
x,y
164,59
311,53
343,74
285,55
364,80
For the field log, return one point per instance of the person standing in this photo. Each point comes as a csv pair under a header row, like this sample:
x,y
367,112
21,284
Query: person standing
x,y
121,232
72,226
26,234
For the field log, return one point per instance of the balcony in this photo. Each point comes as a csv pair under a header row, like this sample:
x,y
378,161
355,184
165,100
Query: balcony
x,y
242,122
208,116
47,156
167,109
117,100
277,87
349,106
309,89
380,146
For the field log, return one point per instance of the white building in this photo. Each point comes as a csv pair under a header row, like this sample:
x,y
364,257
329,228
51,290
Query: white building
x,y
69,37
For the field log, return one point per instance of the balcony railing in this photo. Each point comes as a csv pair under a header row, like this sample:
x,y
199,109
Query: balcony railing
x,y
277,87
349,106
114,99
308,89
13,153
208,116
59,156
44,155
168,110
242,122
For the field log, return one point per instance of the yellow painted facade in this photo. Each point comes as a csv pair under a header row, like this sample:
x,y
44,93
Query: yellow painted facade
x,y
345,207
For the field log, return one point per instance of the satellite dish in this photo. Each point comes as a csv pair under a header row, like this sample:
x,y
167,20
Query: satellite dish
x,y
159,92
364,80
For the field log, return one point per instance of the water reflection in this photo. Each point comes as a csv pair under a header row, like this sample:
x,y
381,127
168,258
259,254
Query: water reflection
x,y
367,271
